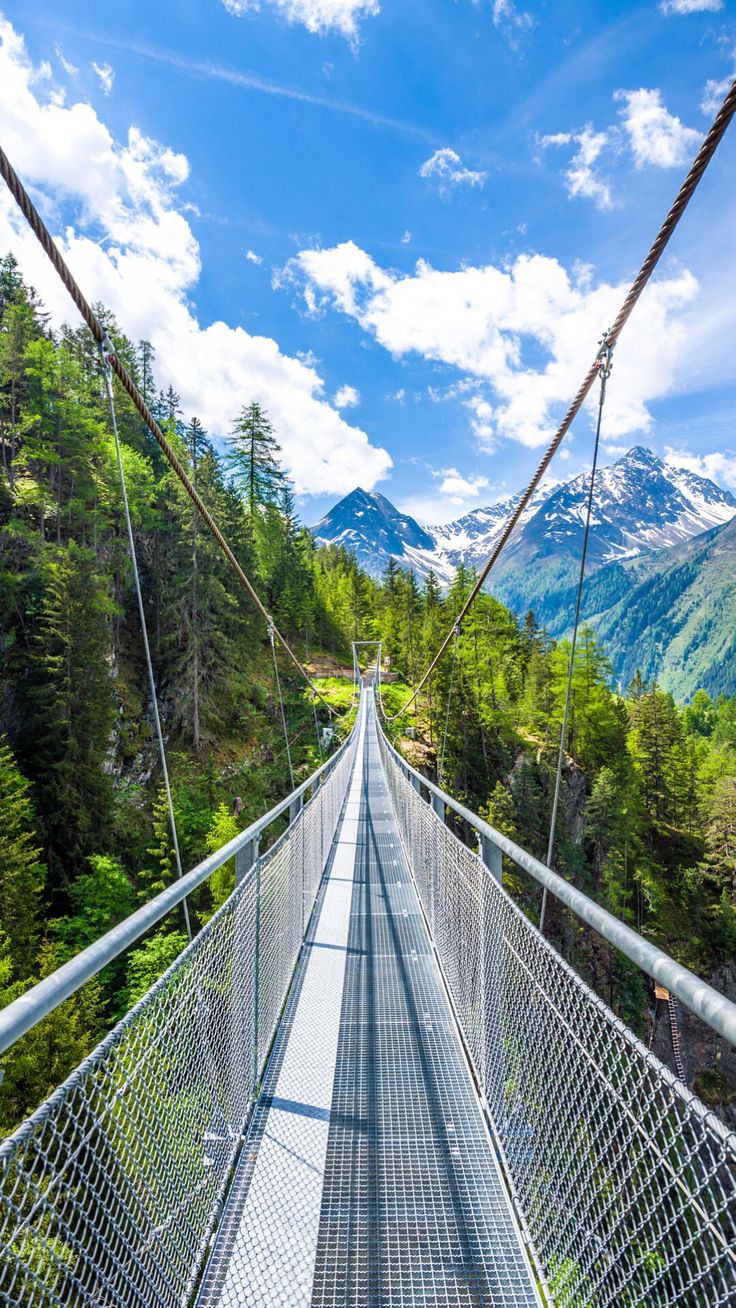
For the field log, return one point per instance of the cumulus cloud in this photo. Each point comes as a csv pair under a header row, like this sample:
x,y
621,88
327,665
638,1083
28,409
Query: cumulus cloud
x,y
446,169
406,238
252,257
719,466
480,321
115,211
691,6
317,16
655,135
106,74
581,177
652,135
459,489
346,397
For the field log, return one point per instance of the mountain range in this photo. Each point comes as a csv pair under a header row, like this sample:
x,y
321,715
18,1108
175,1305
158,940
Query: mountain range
x,y
661,567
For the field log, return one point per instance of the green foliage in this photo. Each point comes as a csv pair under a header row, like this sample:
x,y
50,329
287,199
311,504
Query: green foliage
x,y
41,1060
100,898
646,822
85,825
224,827
150,961
21,872
253,459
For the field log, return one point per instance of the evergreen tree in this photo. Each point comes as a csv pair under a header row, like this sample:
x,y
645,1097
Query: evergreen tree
x,y
21,872
72,711
253,459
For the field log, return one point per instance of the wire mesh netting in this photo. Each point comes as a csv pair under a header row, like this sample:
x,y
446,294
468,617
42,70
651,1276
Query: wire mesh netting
x,y
626,1182
110,1191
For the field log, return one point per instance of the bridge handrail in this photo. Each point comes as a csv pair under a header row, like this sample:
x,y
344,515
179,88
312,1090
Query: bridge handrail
x,y
29,1009
718,1012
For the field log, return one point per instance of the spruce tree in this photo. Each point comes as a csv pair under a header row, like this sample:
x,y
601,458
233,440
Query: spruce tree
x,y
253,459
21,872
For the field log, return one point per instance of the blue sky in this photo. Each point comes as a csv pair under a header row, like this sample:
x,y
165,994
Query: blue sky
x,y
402,226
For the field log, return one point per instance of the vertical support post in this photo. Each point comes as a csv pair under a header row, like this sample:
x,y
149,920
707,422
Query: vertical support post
x,y
438,805
416,783
492,856
245,858
295,808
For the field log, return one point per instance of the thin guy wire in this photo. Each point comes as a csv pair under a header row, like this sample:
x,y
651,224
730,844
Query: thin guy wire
x,y
42,234
684,195
144,628
447,715
316,728
605,369
281,705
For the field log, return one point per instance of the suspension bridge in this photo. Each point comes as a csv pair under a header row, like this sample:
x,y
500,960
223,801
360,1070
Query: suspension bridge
x,y
369,1080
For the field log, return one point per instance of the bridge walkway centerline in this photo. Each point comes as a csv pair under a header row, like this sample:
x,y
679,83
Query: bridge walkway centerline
x,y
368,1177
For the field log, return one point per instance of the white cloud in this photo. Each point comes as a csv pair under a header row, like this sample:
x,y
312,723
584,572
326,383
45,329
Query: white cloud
x,y
512,22
479,320
719,466
581,178
406,237
482,421
715,92
655,135
691,6
446,168
459,489
106,74
252,257
317,16
70,69
114,210
346,397
455,495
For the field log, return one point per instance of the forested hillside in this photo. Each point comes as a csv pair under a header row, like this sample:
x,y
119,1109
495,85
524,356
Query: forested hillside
x,y
85,834
648,820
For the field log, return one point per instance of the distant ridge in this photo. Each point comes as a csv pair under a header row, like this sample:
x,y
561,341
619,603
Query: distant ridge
x,y
657,531
641,503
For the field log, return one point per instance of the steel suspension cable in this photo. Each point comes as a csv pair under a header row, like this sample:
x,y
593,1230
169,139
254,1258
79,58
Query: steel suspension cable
x,y
107,373
684,195
42,234
271,635
604,369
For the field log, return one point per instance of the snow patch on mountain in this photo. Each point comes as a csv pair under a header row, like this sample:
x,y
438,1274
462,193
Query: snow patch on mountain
x,y
640,504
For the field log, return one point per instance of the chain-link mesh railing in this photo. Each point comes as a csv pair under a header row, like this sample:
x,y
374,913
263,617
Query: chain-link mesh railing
x,y
110,1191
626,1183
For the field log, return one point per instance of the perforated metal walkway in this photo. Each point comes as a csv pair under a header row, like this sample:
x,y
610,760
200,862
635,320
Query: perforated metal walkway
x,y
368,1177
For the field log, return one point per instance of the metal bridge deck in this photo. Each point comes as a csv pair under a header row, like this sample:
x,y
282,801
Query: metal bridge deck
x,y
368,1177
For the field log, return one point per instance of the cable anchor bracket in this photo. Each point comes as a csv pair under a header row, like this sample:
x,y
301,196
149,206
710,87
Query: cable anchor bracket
x,y
107,354
604,357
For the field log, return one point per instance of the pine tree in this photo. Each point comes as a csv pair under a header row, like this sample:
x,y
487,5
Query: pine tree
x,y
21,871
253,459
719,865
71,711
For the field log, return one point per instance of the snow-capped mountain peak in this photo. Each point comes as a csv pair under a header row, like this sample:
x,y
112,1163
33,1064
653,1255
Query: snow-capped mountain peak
x,y
640,504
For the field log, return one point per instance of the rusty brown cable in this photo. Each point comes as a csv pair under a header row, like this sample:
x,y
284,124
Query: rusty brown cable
x,y
41,232
684,195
